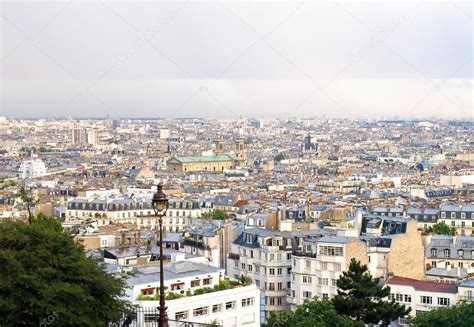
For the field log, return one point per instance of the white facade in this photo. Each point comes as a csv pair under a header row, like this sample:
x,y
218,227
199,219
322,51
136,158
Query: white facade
x,y
421,296
265,257
316,270
32,168
233,307
237,306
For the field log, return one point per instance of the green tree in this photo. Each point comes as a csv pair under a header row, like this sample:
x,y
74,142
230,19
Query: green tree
x,y
315,313
361,297
460,315
440,228
216,214
45,274
279,157
27,198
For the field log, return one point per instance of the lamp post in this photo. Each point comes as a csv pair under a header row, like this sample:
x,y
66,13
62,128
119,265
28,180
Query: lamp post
x,y
160,205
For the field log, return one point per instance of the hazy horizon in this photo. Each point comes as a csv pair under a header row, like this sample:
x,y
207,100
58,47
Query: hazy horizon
x,y
346,59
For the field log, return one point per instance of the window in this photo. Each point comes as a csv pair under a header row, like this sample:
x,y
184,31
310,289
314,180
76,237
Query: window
x,y
294,262
236,263
306,279
243,266
181,315
272,271
460,254
250,267
230,305
279,256
325,296
257,269
323,281
333,282
195,283
337,267
271,300
453,215
308,264
280,271
177,286
434,253
257,282
207,281
324,266
426,299
202,311
247,302
407,298
447,253
443,215
453,223
330,251
443,301
216,308
399,297
271,286
280,286
307,295
148,291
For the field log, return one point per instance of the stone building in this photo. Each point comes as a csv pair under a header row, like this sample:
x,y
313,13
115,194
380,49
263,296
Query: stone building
x,y
216,163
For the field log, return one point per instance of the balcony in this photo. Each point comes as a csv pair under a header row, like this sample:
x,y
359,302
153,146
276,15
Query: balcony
x,y
188,241
297,253
234,256
269,248
290,299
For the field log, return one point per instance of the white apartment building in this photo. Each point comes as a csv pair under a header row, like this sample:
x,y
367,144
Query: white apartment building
x,y
32,168
421,295
135,210
319,264
265,256
199,295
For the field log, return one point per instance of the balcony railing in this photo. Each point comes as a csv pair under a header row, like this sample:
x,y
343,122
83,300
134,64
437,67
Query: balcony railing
x,y
150,316
297,253
194,243
234,256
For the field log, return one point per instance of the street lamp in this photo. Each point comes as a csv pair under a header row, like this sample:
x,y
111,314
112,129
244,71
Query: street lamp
x,y
160,205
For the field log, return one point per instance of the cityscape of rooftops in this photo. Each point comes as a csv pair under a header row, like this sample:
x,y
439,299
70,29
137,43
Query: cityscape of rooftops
x,y
236,163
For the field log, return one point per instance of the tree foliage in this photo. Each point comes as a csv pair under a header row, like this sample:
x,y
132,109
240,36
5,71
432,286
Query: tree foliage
x,y
362,298
216,214
45,274
317,313
27,198
440,228
279,157
460,315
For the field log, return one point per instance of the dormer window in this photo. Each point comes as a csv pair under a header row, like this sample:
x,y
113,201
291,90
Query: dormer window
x,y
447,253
434,253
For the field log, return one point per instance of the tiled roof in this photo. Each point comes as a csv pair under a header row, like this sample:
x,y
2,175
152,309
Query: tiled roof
x,y
421,285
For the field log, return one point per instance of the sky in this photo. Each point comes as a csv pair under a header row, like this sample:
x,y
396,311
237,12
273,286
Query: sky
x,y
226,59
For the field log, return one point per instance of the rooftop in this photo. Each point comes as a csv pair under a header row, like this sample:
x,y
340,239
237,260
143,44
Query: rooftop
x,y
421,285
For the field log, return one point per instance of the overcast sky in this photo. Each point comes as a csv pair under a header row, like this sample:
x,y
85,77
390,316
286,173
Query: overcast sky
x,y
351,59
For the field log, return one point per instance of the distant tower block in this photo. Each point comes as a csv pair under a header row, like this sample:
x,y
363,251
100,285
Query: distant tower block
x,y
219,143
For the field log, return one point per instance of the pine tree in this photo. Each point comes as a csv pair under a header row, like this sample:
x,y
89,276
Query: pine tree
x,y
362,298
